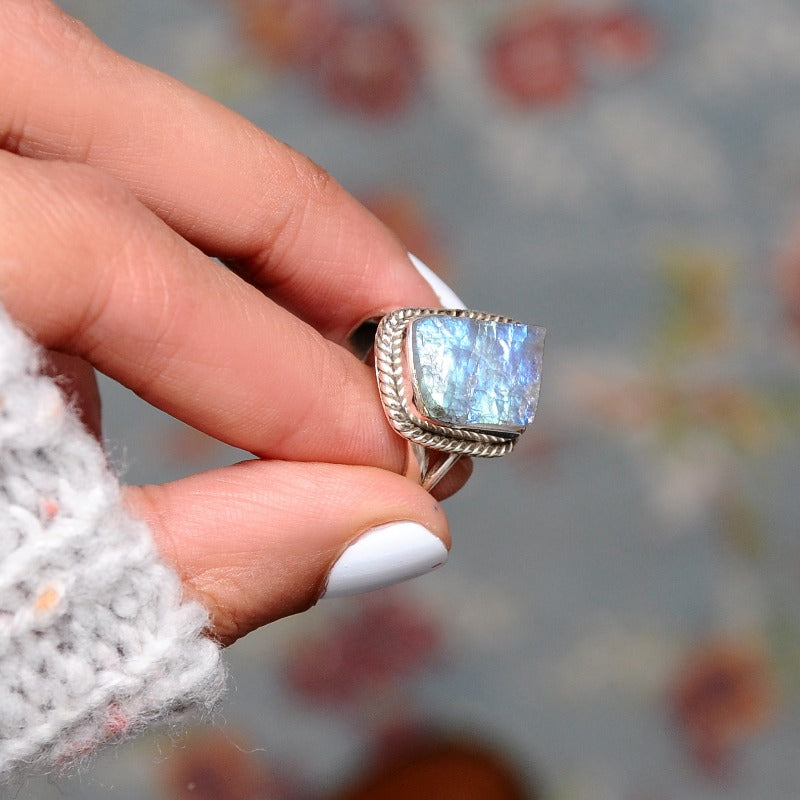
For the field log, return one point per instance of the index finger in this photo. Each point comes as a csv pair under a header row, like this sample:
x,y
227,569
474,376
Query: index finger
x,y
214,177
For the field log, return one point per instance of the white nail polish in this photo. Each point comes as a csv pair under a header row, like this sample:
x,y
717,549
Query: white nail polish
x,y
447,297
385,555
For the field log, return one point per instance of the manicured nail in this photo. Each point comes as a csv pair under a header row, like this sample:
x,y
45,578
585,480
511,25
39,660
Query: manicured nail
x,y
385,555
447,297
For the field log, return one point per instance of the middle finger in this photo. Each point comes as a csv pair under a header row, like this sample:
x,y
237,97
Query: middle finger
x,y
218,180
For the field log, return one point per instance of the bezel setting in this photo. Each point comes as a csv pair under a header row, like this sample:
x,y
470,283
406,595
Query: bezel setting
x,y
399,394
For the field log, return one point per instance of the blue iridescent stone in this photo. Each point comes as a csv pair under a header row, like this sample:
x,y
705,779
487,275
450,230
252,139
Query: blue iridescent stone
x,y
476,373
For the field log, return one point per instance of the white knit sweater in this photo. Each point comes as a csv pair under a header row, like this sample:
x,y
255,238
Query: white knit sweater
x,y
95,639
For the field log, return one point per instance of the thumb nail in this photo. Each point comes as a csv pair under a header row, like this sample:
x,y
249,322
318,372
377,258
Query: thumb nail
x,y
385,555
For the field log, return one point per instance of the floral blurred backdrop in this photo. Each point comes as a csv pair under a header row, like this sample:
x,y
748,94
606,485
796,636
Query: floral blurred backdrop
x,y
620,617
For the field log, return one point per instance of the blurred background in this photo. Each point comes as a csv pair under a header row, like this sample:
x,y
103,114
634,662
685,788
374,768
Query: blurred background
x,y
620,616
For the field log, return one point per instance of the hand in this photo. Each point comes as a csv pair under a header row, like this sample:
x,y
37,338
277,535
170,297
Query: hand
x,y
117,184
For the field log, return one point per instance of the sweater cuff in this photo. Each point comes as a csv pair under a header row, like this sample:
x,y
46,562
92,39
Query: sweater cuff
x,y
96,640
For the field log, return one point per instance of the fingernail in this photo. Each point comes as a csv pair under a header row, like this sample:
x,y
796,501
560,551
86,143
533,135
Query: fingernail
x,y
447,297
385,555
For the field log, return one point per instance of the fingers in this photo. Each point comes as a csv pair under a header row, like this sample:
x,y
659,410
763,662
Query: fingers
x,y
251,553
233,191
90,271
212,176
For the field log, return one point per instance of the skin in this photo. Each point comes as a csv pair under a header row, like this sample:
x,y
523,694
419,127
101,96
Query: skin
x,y
117,184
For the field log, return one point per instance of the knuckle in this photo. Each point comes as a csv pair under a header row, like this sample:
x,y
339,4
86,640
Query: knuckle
x,y
314,181
42,23
60,222
308,189
77,198
38,42
94,193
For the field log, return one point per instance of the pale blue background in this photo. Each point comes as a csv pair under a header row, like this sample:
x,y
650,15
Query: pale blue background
x,y
569,598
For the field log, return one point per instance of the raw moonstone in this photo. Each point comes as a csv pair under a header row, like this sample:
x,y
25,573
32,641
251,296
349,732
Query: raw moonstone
x,y
476,373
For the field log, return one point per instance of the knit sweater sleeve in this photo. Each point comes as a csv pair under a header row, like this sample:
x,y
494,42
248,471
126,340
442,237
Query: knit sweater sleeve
x,y
96,641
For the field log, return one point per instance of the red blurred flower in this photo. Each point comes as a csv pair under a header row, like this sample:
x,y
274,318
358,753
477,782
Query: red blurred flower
x,y
209,765
443,769
371,65
621,37
288,32
536,57
722,694
532,60
385,640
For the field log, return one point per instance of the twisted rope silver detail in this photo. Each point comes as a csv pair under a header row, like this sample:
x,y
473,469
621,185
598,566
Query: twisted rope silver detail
x,y
389,370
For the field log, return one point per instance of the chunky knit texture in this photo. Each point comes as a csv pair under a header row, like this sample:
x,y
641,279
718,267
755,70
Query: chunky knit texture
x,y
95,640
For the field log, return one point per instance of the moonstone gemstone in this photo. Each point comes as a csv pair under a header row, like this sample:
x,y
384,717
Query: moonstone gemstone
x,y
476,373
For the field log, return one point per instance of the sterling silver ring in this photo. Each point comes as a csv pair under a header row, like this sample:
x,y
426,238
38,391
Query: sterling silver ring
x,y
456,382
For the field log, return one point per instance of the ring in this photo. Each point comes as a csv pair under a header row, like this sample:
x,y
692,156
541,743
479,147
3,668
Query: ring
x,y
456,382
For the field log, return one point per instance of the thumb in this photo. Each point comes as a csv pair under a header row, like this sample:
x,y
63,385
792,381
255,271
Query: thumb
x,y
264,539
